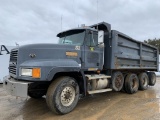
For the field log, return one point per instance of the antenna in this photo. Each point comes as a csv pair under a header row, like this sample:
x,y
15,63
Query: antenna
x,y
97,14
73,12
61,21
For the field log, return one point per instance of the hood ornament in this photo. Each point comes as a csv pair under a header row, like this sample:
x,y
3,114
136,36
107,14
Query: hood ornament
x,y
32,55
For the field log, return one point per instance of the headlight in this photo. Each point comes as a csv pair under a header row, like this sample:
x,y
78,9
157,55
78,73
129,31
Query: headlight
x,y
26,72
34,72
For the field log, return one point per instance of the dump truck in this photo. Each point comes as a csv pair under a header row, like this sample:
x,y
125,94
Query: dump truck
x,y
86,60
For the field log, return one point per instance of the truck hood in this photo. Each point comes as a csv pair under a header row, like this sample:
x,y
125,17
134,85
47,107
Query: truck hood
x,y
47,51
49,57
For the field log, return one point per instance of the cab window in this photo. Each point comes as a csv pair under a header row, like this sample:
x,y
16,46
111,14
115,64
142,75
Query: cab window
x,y
91,39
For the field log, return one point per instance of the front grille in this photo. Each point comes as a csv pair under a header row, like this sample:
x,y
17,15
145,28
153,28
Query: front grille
x,y
12,69
14,55
13,61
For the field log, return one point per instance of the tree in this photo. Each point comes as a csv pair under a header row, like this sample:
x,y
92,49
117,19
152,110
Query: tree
x,y
155,42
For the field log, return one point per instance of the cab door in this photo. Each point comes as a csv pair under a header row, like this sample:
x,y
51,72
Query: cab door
x,y
93,55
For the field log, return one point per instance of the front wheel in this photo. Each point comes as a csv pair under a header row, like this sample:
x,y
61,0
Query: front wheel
x,y
63,95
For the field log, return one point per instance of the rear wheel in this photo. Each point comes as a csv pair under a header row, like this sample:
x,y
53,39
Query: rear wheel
x,y
123,88
62,95
131,83
143,81
117,81
152,78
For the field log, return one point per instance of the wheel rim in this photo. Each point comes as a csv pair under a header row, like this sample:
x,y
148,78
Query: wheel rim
x,y
118,81
67,96
144,81
134,83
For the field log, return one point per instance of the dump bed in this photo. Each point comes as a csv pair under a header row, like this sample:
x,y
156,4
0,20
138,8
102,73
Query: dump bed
x,y
123,52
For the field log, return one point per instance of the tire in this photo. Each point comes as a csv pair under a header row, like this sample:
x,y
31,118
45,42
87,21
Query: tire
x,y
62,95
123,88
143,81
35,95
117,81
152,78
131,83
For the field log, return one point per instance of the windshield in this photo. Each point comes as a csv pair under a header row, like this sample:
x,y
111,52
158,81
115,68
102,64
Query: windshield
x,y
73,37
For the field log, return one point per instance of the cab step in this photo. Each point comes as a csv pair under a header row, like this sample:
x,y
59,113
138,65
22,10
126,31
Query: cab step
x,y
99,91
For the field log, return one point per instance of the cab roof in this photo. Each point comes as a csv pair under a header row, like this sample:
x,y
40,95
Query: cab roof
x,y
79,28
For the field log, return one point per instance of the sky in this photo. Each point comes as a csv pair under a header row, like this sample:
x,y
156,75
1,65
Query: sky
x,y
39,21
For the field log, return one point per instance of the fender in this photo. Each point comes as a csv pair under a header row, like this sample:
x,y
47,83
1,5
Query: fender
x,y
68,69
55,70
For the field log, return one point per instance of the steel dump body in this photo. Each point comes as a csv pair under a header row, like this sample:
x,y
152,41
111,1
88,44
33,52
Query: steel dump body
x,y
123,52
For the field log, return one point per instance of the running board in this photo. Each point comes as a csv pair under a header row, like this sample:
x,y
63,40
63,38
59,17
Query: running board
x,y
99,91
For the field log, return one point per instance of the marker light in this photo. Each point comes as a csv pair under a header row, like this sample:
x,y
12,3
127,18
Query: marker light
x,y
34,72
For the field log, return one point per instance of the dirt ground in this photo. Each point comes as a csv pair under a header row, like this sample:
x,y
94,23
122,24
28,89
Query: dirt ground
x,y
143,105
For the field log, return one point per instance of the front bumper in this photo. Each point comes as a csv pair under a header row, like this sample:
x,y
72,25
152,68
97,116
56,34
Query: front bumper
x,y
14,87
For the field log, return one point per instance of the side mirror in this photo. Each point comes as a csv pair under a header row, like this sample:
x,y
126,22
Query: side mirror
x,y
100,37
